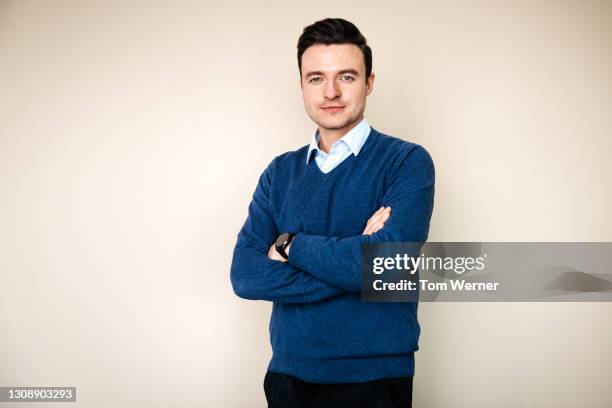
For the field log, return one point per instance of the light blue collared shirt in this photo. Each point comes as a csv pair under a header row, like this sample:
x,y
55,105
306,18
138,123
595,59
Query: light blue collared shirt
x,y
352,142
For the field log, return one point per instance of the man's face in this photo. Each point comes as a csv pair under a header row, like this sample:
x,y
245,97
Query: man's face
x,y
334,86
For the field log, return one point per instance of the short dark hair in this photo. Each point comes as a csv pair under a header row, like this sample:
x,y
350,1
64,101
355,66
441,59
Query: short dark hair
x,y
334,31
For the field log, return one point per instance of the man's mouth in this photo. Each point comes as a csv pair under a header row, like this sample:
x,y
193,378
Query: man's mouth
x,y
332,109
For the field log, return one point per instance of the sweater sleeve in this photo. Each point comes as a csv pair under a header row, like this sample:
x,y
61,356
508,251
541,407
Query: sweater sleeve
x,y
336,260
254,275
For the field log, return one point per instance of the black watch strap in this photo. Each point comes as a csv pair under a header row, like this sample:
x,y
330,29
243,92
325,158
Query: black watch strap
x,y
282,242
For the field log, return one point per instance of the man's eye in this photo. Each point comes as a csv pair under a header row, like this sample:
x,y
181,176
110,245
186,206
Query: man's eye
x,y
348,77
315,80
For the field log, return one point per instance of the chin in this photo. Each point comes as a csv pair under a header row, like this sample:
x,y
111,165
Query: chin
x,y
333,123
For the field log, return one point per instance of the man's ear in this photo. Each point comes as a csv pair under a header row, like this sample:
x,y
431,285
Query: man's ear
x,y
370,83
300,81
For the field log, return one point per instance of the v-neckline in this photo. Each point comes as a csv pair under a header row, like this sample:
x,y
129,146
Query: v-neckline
x,y
350,159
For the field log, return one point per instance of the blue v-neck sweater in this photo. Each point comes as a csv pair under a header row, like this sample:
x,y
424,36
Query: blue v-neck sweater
x,y
320,330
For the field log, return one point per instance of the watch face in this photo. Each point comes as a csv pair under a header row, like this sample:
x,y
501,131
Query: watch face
x,y
282,239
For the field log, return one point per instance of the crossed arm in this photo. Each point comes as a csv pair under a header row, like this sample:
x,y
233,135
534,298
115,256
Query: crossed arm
x,y
321,267
258,275
375,223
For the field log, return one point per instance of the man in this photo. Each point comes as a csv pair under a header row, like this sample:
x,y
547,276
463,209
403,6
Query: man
x,y
300,245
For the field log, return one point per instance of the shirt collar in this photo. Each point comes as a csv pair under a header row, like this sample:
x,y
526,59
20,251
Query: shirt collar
x,y
354,139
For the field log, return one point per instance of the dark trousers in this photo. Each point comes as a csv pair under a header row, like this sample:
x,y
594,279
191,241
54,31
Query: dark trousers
x,y
284,391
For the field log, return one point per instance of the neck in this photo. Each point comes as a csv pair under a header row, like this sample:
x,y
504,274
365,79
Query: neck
x,y
330,136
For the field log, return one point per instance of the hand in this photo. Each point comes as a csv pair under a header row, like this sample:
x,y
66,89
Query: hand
x,y
275,256
377,220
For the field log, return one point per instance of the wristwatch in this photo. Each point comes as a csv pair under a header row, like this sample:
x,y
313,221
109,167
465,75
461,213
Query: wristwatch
x,y
282,242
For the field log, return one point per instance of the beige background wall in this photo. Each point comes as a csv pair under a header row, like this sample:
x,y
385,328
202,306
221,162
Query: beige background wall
x,y
132,135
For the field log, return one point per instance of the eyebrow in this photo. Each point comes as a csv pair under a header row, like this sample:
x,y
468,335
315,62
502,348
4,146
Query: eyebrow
x,y
343,71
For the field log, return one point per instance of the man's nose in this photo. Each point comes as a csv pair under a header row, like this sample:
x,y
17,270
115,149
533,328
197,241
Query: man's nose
x,y
332,90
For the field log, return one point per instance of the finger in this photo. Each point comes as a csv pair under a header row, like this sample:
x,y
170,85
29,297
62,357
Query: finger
x,y
383,213
381,222
378,214
380,210
377,227
369,229
385,217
